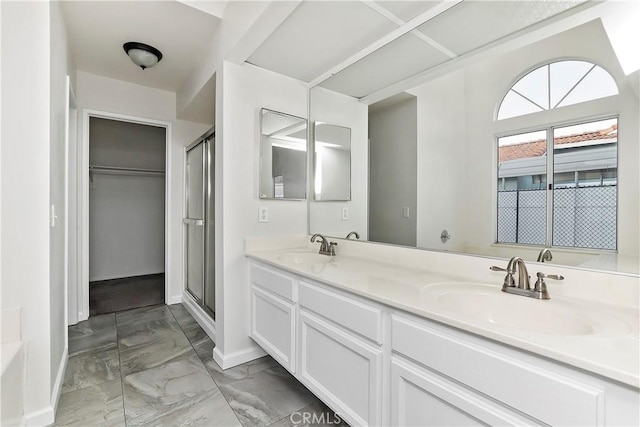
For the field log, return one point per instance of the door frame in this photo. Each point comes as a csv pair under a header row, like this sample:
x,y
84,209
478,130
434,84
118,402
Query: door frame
x,y
83,174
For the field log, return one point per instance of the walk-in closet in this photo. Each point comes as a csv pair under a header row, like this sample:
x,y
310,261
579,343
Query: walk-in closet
x,y
126,215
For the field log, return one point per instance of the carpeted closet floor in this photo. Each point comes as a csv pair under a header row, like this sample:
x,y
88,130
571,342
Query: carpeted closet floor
x,y
110,296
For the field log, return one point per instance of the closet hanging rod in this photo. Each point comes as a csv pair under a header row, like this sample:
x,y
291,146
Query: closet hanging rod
x,y
124,171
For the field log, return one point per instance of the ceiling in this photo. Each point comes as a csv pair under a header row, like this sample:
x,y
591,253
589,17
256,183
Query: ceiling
x,y
359,47
97,30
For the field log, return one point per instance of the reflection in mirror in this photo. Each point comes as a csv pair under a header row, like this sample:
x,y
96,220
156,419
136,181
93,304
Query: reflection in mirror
x,y
437,140
283,156
332,162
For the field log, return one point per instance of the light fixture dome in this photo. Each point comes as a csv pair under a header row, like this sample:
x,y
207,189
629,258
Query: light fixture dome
x,y
143,55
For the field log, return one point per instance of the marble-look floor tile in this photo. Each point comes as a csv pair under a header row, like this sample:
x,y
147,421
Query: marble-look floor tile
x,y
237,372
91,368
195,334
154,353
152,389
207,409
142,315
204,348
182,315
96,333
315,415
134,336
97,405
266,397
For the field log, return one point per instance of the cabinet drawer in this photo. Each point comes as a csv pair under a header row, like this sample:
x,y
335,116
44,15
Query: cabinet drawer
x,y
273,281
420,397
347,312
342,370
540,393
273,326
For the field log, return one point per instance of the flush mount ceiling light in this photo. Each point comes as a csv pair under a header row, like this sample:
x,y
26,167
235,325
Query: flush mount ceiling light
x,y
143,55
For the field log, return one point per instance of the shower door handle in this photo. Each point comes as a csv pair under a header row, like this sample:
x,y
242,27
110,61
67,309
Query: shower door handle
x,y
191,221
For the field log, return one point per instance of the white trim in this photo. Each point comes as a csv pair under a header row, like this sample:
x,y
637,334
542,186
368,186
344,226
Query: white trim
x,y
201,316
57,386
238,357
41,417
83,174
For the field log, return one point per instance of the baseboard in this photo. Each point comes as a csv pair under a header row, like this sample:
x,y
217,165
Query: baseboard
x,y
226,361
57,387
120,276
201,316
41,417
176,299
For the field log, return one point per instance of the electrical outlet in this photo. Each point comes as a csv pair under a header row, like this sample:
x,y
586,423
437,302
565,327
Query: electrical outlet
x,y
263,214
345,214
405,212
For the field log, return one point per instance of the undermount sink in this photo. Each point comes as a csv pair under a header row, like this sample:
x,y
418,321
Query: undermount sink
x,y
489,304
304,257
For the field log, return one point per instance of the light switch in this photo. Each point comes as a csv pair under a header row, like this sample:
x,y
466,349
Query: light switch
x,y
405,212
53,216
345,214
263,214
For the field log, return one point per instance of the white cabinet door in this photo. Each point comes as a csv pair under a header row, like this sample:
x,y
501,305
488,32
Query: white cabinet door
x,y
342,370
273,326
420,397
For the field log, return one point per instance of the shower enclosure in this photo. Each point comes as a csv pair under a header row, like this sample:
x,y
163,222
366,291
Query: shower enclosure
x,y
199,244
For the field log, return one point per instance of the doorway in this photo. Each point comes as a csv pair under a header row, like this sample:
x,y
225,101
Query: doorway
x,y
199,245
124,224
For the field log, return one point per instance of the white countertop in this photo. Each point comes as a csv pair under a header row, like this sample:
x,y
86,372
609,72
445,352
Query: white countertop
x,y
611,350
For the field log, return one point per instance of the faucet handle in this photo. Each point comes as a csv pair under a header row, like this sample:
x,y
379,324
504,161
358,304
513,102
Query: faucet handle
x,y
496,268
332,250
540,287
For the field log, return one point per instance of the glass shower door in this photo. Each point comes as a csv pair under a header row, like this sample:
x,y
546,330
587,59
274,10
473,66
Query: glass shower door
x,y
195,221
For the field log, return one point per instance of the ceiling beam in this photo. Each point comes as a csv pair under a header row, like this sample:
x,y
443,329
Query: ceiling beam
x,y
564,21
397,33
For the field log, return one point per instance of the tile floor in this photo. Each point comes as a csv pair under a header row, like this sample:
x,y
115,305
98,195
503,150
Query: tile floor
x,y
152,366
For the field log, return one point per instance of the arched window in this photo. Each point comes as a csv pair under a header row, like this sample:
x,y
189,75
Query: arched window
x,y
557,183
556,85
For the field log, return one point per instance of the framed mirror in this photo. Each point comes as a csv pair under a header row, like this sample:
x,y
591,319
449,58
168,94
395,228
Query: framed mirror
x,y
447,166
283,156
331,162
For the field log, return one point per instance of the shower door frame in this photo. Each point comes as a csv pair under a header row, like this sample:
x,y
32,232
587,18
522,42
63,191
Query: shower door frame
x,y
208,141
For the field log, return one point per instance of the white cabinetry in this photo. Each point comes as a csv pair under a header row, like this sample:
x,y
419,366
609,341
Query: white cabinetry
x,y
376,365
273,319
340,359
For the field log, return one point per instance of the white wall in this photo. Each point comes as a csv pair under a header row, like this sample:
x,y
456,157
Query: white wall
x,y
393,179
244,91
341,110
25,169
61,67
114,96
486,83
126,213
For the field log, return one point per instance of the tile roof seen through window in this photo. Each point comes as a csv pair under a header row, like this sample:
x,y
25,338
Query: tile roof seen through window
x,y
539,147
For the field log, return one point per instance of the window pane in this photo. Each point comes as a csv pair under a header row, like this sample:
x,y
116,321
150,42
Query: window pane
x,y
564,75
535,86
522,203
597,84
585,207
515,105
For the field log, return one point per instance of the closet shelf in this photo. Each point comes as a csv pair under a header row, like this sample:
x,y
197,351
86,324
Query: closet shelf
x,y
115,170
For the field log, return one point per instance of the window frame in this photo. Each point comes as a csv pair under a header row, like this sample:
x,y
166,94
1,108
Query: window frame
x,y
549,190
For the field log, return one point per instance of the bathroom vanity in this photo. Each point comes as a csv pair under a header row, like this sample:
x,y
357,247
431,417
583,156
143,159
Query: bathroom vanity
x,y
393,336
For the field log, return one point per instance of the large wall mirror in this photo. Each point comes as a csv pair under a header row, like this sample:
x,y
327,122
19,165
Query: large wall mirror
x,y
331,162
496,145
283,156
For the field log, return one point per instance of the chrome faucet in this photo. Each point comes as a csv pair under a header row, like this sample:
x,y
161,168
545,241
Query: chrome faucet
x,y
353,233
545,255
326,247
523,286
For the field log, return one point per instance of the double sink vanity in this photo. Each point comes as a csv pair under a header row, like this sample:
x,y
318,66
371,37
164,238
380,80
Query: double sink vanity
x,y
387,335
